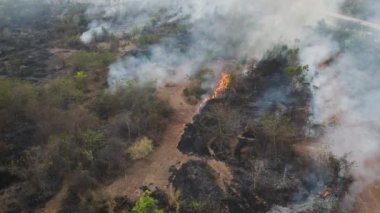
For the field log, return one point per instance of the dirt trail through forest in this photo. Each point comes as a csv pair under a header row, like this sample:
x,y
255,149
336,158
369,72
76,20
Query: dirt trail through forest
x,y
153,171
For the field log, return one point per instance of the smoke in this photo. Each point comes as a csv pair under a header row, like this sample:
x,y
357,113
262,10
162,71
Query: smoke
x,y
214,30
346,93
345,90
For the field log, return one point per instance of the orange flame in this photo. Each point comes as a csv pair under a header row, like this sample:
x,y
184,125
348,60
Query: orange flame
x,y
326,194
223,84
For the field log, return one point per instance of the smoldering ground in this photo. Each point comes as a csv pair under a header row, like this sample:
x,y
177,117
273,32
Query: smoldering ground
x,y
346,92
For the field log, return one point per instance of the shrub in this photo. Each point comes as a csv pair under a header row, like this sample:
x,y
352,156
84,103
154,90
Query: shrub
x,y
174,198
297,71
141,148
146,204
74,41
93,141
153,20
196,205
144,40
80,78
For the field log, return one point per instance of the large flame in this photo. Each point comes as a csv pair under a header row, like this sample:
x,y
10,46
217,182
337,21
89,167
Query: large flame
x,y
223,84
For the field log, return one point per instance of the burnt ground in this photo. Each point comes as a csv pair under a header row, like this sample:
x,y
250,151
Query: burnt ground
x,y
266,177
29,30
32,64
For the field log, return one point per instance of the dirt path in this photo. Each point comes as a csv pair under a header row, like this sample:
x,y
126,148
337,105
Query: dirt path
x,y
154,170
55,203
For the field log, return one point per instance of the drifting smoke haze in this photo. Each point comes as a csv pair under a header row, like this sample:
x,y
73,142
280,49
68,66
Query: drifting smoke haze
x,y
347,96
222,29
347,89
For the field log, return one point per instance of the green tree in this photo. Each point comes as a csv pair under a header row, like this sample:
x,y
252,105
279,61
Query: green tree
x,y
276,127
146,204
80,78
93,141
297,71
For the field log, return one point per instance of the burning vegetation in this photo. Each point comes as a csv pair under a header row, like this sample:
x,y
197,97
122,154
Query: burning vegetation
x,y
225,83
257,141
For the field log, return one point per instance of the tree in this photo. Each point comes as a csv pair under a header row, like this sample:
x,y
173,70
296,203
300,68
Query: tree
x,y
276,127
228,120
146,204
297,71
93,141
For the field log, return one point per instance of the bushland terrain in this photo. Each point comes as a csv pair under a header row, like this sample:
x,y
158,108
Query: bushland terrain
x,y
72,142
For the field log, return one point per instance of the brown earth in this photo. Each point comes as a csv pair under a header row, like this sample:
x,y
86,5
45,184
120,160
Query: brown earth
x,y
369,200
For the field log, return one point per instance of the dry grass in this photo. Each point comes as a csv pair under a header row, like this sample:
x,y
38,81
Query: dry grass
x,y
141,148
224,176
174,198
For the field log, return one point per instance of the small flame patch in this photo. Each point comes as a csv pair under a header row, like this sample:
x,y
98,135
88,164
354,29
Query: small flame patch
x,y
223,85
326,194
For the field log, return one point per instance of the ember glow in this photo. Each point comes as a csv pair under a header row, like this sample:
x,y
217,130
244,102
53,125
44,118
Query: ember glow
x,y
223,84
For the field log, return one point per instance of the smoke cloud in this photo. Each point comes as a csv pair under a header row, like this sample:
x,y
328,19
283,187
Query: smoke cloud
x,y
345,91
215,29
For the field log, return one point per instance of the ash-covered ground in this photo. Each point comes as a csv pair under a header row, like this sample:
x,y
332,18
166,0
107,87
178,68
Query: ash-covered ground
x,y
255,126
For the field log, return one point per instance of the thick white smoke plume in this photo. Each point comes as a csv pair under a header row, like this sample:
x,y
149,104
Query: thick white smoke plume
x,y
221,29
347,93
346,90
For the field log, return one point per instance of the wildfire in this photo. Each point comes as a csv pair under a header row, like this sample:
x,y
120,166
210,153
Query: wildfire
x,y
223,85
326,194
